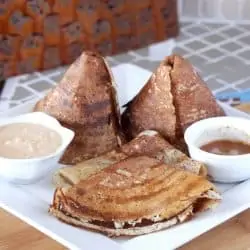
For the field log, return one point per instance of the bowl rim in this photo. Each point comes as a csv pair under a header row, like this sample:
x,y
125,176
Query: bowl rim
x,y
57,128
211,155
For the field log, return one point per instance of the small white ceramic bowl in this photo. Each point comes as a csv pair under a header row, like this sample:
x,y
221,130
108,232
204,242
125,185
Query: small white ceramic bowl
x,y
222,168
26,171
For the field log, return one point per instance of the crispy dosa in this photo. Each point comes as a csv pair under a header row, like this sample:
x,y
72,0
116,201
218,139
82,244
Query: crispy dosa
x,y
85,101
153,108
136,196
193,99
149,143
174,97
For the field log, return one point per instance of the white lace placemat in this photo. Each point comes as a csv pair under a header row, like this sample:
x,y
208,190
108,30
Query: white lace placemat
x,y
219,51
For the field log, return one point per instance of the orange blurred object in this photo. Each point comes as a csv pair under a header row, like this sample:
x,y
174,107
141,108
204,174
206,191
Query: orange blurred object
x,y
42,34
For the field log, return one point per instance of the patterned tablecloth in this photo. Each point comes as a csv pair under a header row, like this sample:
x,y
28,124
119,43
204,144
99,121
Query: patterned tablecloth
x,y
220,52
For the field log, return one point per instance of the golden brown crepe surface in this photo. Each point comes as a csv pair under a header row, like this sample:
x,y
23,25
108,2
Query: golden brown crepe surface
x,y
148,143
136,192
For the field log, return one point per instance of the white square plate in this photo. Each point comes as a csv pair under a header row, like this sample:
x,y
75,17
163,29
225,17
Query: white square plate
x,y
31,202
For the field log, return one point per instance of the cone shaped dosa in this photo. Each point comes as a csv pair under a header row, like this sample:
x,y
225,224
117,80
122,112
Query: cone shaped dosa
x,y
174,97
192,98
85,101
152,108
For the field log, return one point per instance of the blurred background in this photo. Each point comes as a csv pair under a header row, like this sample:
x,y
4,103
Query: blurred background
x,y
39,38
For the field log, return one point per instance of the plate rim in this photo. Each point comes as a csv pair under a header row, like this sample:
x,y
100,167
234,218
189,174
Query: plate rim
x,y
120,245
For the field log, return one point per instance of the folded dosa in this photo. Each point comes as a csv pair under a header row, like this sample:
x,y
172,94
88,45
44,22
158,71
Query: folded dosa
x,y
149,143
136,196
